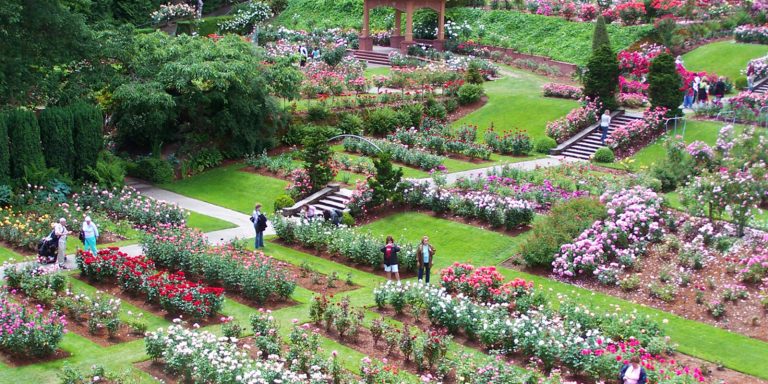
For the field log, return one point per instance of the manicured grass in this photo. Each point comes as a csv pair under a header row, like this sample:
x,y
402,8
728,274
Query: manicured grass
x,y
516,102
378,71
724,58
231,188
11,256
207,223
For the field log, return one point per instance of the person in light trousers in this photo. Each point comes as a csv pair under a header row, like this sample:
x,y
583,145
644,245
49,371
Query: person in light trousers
x,y
605,122
90,235
425,253
61,232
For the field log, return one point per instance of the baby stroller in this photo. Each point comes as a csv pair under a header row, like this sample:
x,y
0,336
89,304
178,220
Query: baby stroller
x,y
47,248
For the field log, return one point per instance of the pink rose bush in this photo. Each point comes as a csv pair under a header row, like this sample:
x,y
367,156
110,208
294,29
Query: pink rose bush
x,y
543,193
576,120
632,100
26,333
483,284
634,135
563,91
634,220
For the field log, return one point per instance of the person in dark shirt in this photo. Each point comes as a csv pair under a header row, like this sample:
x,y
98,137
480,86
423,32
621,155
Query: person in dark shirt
x,y
390,251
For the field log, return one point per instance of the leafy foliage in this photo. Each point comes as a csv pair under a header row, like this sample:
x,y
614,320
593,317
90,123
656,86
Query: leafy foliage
x,y
24,136
318,156
56,126
664,84
602,77
88,136
600,36
384,184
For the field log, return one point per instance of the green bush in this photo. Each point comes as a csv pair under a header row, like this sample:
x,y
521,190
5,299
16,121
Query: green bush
x,y
740,83
6,195
88,137
5,155
437,111
151,169
347,219
451,105
674,168
204,27
604,155
56,126
24,137
205,158
109,171
601,79
664,84
293,136
544,144
410,115
350,123
381,121
283,201
317,112
564,223
470,93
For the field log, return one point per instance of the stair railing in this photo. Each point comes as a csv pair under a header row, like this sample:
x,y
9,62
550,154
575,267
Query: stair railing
x,y
726,115
679,121
357,137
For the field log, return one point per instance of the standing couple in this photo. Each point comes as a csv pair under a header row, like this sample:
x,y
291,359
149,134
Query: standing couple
x,y
424,258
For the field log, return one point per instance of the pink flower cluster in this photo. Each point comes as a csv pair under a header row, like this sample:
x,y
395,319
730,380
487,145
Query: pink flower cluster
x,y
638,131
634,219
484,284
632,100
751,33
576,120
564,91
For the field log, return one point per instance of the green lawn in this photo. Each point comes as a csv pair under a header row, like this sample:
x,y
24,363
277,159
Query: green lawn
x,y
207,223
725,58
516,102
378,71
11,256
231,188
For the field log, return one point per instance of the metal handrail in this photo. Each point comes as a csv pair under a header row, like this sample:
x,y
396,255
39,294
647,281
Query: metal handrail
x,y
357,137
723,114
677,120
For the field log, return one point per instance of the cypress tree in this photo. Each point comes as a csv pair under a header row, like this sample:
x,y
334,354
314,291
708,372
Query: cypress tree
x,y
600,35
24,138
602,77
5,155
56,126
664,84
387,178
88,122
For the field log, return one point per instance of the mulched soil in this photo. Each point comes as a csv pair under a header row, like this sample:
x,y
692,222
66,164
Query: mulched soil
x,y
155,369
342,260
464,110
746,316
101,338
22,361
305,280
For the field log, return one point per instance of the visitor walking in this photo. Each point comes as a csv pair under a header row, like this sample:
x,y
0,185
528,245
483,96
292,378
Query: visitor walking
x,y
390,251
718,91
424,257
605,122
316,54
688,98
260,225
695,86
304,54
61,232
632,373
703,91
90,235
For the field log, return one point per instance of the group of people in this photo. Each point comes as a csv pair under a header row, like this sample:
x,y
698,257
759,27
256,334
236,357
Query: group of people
x,y
700,89
89,235
425,253
307,55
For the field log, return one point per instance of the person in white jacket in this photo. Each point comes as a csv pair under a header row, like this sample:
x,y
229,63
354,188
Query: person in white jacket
x,y
60,232
90,235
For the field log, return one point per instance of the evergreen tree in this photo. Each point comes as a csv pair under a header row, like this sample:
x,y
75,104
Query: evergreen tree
x,y
602,77
5,156
88,122
24,136
385,182
317,156
56,125
665,84
600,36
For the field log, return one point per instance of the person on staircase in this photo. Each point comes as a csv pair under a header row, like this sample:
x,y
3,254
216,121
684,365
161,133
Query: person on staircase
x,y
605,122
259,225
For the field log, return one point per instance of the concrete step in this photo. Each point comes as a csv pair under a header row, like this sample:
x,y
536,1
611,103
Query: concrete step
x,y
581,151
344,192
575,155
337,199
332,204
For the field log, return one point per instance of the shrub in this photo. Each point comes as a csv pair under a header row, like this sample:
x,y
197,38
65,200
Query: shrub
x,y
602,77
664,84
604,155
347,219
350,124
109,171
29,332
24,138
410,115
317,156
437,111
5,155
740,83
470,93
451,105
566,221
88,121
283,201
204,158
544,144
151,169
381,121
317,112
56,125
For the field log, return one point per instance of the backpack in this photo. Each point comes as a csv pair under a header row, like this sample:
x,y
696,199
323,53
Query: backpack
x,y
261,222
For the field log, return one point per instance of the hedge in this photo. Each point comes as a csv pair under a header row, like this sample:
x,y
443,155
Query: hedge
x,y
24,137
56,126
5,155
88,122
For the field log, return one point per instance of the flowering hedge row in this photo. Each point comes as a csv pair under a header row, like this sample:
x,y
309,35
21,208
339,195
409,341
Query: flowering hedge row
x,y
128,203
254,275
496,210
576,120
357,247
564,91
632,136
543,193
484,284
745,106
751,34
515,143
400,153
28,333
439,139
634,220
137,274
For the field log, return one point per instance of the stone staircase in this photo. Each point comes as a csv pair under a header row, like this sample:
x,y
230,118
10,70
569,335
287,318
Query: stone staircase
x,y
761,86
372,57
585,143
329,198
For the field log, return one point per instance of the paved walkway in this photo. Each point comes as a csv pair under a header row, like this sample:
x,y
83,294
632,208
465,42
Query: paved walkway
x,y
550,161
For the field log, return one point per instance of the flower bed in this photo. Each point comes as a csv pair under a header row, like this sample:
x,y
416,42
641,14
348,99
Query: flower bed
x,y
633,136
172,291
634,220
543,192
29,333
563,91
128,203
439,139
496,210
358,248
483,284
515,143
400,153
252,274
751,34
576,120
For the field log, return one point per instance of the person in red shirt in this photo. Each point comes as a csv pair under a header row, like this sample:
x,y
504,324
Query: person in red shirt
x,y
390,251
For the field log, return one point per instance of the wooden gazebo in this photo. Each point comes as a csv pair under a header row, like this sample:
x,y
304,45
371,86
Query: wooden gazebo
x,y
400,6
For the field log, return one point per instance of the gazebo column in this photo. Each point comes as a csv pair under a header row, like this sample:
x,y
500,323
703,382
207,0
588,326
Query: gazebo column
x,y
440,42
397,37
408,27
366,41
